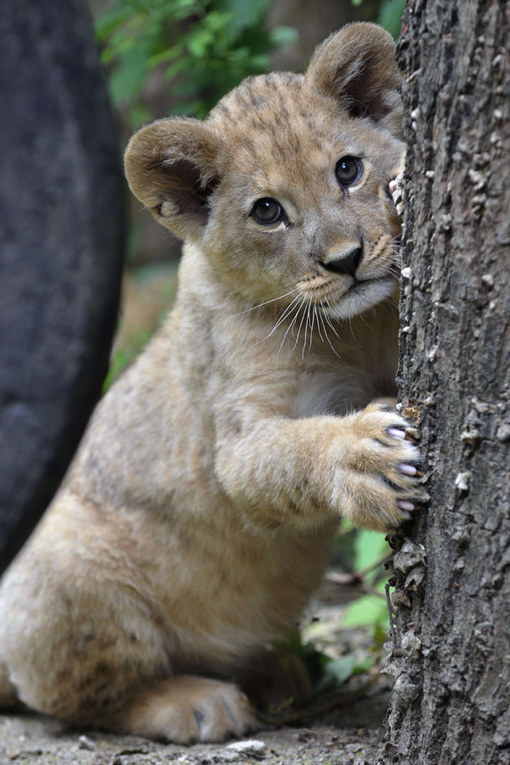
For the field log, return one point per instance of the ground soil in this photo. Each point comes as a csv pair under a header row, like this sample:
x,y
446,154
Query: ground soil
x,y
347,738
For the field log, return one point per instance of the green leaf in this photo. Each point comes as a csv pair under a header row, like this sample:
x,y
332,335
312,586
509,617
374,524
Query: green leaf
x,y
370,610
390,16
178,66
369,547
167,55
199,41
244,13
126,80
205,46
282,36
259,63
110,21
335,672
340,669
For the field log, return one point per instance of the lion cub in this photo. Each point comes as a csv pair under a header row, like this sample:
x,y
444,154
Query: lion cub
x,y
198,514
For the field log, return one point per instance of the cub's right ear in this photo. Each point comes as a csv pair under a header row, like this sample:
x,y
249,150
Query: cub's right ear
x,y
172,167
356,66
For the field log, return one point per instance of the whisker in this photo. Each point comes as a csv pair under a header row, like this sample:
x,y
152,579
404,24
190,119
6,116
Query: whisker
x,y
322,316
311,315
300,325
284,315
365,322
266,302
391,301
306,331
294,319
329,320
315,312
308,324
351,329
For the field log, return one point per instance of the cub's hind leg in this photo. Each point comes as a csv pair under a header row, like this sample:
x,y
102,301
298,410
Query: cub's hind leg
x,y
185,709
8,697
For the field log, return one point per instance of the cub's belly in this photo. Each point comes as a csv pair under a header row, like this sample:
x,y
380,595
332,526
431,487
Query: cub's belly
x,y
223,607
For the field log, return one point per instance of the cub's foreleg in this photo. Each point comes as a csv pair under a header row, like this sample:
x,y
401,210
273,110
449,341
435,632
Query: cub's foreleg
x,y
301,471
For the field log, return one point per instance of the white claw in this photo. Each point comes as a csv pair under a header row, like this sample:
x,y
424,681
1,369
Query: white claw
x,y
395,187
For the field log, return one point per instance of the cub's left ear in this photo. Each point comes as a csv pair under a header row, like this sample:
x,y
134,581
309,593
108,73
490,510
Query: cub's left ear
x,y
172,167
357,67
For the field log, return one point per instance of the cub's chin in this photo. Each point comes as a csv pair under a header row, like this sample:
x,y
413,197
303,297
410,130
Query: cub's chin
x,y
362,295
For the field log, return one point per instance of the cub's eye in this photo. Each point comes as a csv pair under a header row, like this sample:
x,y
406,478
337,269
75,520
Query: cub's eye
x,y
348,170
267,211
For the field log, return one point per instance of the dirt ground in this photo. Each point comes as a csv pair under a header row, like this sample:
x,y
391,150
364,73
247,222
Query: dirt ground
x,y
352,737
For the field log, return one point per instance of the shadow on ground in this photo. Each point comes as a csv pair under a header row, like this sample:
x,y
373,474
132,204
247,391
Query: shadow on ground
x,y
346,737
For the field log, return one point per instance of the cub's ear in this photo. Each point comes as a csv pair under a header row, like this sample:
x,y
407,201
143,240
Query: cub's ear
x,y
172,167
357,67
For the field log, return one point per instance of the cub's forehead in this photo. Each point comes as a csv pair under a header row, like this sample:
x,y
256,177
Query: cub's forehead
x,y
277,119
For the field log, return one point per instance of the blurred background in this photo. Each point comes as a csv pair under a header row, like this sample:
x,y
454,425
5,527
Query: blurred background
x,y
165,57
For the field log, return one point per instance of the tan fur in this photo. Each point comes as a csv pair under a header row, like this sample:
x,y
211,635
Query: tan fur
x,y
196,520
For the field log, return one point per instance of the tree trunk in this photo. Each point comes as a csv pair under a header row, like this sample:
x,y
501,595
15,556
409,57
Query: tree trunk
x,y
451,606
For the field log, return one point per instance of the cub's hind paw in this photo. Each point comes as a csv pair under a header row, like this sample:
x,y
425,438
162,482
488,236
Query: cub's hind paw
x,y
186,709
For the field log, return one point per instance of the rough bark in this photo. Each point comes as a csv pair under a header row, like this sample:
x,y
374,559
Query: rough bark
x,y
451,632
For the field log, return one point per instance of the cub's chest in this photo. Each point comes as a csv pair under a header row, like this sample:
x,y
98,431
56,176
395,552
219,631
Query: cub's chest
x,y
335,392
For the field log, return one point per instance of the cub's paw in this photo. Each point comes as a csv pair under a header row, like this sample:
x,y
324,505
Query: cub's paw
x,y
397,193
382,483
186,709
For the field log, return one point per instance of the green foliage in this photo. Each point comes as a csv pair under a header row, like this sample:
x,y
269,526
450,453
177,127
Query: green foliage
x,y
324,671
367,614
338,671
203,47
369,610
389,14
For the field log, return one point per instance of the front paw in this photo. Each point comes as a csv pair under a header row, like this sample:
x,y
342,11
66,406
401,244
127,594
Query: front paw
x,y
381,484
397,193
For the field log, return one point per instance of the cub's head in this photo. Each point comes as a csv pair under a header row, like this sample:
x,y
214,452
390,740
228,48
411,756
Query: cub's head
x,y
285,186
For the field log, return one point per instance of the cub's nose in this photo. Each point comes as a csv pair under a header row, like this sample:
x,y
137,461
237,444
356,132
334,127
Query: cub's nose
x,y
344,262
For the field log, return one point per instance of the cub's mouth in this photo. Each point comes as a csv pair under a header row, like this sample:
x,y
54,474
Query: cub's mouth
x,y
343,296
361,295
360,284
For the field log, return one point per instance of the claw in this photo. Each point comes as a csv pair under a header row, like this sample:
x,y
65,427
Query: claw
x,y
408,469
412,434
